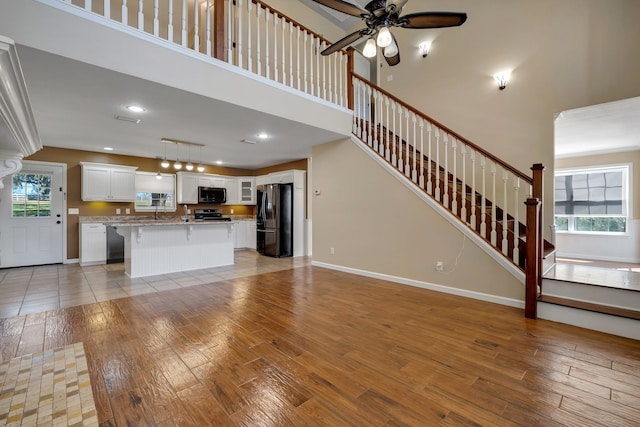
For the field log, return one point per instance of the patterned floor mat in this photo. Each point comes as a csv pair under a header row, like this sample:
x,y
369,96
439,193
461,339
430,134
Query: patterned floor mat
x,y
47,389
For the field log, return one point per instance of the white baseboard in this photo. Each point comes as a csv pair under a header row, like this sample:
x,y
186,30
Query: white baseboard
x,y
614,325
72,261
596,257
425,285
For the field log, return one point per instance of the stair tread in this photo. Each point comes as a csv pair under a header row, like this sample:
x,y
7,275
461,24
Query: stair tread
x,y
598,308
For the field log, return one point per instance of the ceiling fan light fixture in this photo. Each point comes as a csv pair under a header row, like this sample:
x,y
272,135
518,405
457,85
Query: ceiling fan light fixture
x,y
391,50
370,49
384,38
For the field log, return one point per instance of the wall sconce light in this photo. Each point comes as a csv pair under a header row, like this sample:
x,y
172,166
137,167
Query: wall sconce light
x,y
424,48
502,78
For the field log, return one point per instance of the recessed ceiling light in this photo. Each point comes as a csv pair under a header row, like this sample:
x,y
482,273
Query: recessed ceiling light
x,y
108,148
135,108
263,135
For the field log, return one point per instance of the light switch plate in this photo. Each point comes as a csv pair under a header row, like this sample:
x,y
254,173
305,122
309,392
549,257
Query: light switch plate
x,y
127,211
73,211
118,211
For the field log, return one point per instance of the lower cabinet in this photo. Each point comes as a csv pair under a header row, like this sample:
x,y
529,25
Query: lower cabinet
x,y
245,234
93,243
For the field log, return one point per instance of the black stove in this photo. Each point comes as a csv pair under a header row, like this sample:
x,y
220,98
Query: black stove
x,y
209,215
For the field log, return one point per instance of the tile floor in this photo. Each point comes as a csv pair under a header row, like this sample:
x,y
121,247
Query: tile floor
x,y
26,290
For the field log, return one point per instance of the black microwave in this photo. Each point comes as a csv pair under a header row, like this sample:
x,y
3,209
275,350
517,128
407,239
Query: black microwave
x,y
212,195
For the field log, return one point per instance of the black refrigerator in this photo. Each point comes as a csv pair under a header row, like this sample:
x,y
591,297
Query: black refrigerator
x,y
274,220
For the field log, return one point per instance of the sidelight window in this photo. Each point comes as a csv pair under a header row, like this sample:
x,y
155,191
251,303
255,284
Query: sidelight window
x,y
31,195
593,200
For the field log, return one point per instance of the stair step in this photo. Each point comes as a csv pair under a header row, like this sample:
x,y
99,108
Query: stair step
x,y
590,306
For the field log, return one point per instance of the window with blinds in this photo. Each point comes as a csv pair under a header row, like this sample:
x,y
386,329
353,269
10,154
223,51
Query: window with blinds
x,y
592,200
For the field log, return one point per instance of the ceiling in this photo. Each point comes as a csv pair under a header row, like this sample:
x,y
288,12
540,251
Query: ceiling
x,y
610,127
75,103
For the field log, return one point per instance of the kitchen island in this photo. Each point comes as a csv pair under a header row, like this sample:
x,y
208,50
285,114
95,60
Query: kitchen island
x,y
167,246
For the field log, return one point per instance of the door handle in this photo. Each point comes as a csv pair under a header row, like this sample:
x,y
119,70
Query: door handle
x,y
265,231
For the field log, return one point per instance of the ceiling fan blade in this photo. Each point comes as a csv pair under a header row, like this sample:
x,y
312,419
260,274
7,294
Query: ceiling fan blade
x,y
344,7
432,20
345,41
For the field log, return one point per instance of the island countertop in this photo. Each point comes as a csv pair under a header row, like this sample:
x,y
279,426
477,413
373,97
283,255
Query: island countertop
x,y
161,222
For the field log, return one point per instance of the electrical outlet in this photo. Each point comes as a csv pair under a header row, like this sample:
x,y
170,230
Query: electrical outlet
x,y
118,211
439,266
127,211
332,251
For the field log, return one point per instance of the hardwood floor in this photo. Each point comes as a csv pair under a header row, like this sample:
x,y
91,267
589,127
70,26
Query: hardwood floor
x,y
310,346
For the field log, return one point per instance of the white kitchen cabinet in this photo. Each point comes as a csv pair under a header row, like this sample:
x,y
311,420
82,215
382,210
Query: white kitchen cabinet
x,y
93,243
187,188
240,234
108,183
246,190
231,184
251,234
211,181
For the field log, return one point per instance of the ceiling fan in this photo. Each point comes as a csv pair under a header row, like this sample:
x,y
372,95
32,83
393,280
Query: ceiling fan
x,y
379,15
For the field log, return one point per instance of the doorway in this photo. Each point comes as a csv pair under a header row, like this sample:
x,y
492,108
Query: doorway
x,y
32,220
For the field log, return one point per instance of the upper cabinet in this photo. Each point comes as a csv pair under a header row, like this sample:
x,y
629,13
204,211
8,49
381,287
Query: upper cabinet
x,y
110,183
187,188
240,191
246,190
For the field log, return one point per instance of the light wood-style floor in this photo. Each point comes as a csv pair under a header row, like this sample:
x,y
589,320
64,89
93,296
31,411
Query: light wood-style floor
x,y
310,346
601,273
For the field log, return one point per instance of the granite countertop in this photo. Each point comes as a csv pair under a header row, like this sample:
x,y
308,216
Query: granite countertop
x,y
150,220
161,222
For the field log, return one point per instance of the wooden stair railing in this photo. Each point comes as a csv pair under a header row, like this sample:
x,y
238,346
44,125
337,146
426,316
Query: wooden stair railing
x,y
475,186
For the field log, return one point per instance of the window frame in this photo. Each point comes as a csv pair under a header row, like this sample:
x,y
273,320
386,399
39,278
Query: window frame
x,y
627,191
138,208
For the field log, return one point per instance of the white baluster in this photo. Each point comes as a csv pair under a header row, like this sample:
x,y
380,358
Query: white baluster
x,y
229,10
170,23
414,172
319,46
275,48
454,177
472,220
516,221
369,113
494,232
421,153
312,60
87,5
375,127
276,71
156,20
140,15
387,153
304,49
298,59
290,54
342,74
196,26
324,74
239,46
184,23
107,9
407,167
249,41
400,165
283,38
463,190
429,160
437,171
379,124
505,224
267,62
445,175
394,157
355,105
483,202
258,40
208,23
125,12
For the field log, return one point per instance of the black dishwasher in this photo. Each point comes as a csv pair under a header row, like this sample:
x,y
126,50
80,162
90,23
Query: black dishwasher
x,y
115,246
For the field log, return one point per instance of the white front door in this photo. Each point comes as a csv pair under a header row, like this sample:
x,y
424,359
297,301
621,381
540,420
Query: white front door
x,y
32,216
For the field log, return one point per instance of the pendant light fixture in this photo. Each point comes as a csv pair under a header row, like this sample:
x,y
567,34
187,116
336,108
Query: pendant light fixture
x,y
177,165
165,163
200,167
189,165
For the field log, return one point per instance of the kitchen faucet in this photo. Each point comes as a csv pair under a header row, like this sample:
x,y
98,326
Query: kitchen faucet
x,y
186,213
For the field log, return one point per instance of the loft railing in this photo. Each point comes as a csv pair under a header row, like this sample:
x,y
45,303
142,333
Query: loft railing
x,y
246,33
484,192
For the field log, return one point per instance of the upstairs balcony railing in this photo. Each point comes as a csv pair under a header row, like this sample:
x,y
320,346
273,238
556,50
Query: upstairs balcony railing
x,y
246,33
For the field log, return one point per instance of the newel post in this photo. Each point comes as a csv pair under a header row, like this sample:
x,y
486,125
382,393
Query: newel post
x,y
218,32
533,261
537,192
350,68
